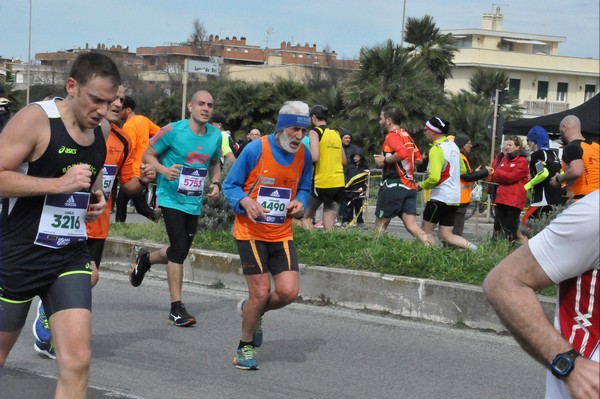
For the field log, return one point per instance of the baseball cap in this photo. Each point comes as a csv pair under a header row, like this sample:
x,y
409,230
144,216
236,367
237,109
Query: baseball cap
x,y
319,111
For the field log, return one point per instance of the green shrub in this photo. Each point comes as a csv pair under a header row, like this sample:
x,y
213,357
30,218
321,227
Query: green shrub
x,y
216,214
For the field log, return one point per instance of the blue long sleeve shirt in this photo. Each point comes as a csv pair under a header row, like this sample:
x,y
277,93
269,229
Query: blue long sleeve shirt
x,y
233,186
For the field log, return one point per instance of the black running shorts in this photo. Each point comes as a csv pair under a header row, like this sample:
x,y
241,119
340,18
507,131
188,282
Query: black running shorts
x,y
259,257
438,212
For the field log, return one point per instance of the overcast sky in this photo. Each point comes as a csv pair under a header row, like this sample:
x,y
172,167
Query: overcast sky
x,y
342,25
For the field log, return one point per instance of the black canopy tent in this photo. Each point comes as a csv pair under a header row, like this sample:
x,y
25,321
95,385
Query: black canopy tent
x,y
588,113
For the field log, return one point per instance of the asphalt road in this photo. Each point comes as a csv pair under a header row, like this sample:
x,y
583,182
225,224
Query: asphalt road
x,y
309,352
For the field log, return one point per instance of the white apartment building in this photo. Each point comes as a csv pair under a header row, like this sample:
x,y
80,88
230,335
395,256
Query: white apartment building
x,y
543,81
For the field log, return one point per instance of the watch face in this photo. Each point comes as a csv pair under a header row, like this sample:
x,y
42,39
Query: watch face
x,y
562,365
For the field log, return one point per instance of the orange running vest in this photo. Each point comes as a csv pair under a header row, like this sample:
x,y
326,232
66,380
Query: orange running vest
x,y
274,184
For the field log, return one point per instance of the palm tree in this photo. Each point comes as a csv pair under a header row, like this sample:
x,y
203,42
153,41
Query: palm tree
x,y
167,109
426,42
468,113
331,98
244,103
389,75
288,89
486,81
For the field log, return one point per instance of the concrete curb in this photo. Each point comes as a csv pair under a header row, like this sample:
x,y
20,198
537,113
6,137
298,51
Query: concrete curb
x,y
442,302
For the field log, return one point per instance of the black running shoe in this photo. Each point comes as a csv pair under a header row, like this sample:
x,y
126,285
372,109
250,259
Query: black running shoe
x,y
180,317
138,270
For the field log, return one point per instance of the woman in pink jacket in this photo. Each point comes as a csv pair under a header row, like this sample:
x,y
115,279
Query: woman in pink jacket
x,y
511,174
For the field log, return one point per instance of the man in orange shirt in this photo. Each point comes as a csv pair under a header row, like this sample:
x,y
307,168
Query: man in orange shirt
x,y
118,162
139,129
581,160
398,190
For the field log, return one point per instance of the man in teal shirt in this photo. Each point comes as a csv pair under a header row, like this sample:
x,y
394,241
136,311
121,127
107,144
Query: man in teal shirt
x,y
184,154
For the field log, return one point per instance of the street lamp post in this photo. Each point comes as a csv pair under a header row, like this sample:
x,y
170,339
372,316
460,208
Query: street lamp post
x,y
403,20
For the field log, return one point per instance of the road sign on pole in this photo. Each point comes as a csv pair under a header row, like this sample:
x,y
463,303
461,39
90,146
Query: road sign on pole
x,y
489,126
201,67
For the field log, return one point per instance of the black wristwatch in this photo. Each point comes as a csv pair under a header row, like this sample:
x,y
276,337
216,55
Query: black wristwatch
x,y
563,363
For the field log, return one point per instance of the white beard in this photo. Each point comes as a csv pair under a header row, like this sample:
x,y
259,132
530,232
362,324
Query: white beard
x,y
285,141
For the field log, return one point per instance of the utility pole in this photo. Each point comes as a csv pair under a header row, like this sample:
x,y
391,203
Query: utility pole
x,y
184,79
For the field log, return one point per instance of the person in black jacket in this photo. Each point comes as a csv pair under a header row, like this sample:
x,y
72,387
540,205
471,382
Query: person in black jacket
x,y
543,165
356,189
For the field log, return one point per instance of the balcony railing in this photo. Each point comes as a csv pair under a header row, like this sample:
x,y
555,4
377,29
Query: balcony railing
x,y
539,107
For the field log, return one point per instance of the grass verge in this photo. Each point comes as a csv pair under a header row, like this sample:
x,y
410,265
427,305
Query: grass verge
x,y
357,250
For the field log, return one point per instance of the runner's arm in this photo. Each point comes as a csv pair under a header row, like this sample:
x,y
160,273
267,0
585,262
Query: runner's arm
x,y
24,139
233,186
214,171
434,170
304,185
150,157
574,170
315,149
97,200
510,288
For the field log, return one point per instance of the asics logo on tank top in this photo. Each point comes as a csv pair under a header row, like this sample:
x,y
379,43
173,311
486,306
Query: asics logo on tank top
x,y
67,150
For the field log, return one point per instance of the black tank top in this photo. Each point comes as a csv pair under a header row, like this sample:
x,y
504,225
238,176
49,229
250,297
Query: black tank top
x,y
20,217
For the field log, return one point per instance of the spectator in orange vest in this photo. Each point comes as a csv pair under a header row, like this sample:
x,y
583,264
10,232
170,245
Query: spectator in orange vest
x,y
463,142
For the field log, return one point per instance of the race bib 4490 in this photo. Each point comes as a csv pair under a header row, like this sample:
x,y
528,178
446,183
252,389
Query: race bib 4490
x,y
276,200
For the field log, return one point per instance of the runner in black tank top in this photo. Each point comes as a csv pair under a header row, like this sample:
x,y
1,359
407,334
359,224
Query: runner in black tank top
x,y
51,157
20,219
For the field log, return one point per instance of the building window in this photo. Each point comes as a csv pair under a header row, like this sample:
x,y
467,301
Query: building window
x,y
542,91
561,91
514,85
590,91
541,49
464,42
